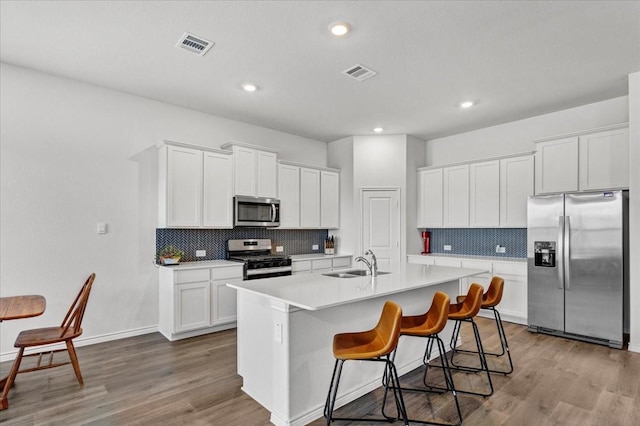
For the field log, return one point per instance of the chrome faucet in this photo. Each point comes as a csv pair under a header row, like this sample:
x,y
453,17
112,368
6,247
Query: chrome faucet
x,y
372,266
374,263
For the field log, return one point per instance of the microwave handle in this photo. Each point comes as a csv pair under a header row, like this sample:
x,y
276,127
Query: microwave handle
x,y
273,212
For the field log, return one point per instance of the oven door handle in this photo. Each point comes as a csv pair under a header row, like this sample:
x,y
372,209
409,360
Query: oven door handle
x,y
264,271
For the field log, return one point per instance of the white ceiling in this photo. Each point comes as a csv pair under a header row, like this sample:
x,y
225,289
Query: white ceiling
x,y
515,59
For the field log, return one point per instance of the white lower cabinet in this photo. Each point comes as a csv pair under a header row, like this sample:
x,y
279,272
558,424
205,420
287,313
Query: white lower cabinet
x,y
197,301
320,265
513,306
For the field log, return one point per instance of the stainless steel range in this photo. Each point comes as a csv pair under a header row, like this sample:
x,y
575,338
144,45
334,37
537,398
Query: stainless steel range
x,y
257,258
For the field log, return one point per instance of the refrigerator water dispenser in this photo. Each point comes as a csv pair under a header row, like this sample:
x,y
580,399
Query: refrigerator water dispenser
x,y
545,253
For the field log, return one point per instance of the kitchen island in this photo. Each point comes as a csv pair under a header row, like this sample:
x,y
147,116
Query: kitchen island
x,y
286,327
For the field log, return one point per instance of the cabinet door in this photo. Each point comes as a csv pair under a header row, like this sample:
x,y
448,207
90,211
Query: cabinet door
x,y
557,166
184,187
244,171
224,301
516,185
192,306
266,170
217,195
329,200
456,196
513,306
484,194
604,160
309,198
289,195
430,199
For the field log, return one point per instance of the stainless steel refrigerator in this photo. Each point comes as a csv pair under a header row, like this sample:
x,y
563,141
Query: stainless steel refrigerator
x,y
577,265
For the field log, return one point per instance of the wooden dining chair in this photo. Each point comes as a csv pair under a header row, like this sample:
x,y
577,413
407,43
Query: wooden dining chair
x,y
70,328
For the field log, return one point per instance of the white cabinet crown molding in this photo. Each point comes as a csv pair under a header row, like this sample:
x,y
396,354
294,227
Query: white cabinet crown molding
x,y
165,142
230,144
582,132
477,160
308,166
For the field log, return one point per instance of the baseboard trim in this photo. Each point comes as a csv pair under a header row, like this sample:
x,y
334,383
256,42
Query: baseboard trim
x,y
86,341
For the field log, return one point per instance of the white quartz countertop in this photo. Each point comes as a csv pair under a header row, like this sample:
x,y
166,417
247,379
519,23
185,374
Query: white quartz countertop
x,y
467,256
202,264
314,256
317,291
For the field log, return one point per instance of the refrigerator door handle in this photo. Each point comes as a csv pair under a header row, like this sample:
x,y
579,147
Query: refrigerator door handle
x,y
560,262
567,252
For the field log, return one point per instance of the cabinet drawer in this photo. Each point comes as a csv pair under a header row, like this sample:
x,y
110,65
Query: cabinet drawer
x,y
301,266
421,260
321,264
191,276
226,272
510,268
478,264
447,261
341,262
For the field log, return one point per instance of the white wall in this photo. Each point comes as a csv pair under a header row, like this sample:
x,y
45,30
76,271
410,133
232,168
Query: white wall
x,y
517,136
73,155
634,210
340,156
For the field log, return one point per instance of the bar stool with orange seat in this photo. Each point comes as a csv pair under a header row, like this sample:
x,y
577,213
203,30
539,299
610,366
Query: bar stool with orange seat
x,y
490,300
376,345
465,312
428,325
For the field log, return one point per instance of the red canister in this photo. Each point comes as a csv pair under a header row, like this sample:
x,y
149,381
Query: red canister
x,y
426,237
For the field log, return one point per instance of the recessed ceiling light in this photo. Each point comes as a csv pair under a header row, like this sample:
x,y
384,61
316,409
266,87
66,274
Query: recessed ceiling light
x,y
249,87
378,129
339,28
466,104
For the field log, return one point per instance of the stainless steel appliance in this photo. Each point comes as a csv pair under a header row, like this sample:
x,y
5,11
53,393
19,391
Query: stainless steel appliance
x,y
257,258
577,265
256,211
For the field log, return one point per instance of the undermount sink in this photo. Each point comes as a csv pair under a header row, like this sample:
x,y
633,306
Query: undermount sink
x,y
352,274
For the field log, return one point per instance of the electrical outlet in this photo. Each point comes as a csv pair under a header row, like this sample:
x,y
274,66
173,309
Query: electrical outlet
x,y
501,249
279,249
201,253
447,247
314,247
277,332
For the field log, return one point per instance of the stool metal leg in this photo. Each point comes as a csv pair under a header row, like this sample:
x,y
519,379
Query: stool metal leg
x,y
503,343
483,361
390,374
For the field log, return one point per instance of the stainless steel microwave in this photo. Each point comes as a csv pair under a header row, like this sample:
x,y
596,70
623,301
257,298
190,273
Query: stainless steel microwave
x,y
256,211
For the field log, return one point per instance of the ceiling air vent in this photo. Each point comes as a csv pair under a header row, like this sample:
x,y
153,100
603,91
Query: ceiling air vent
x,y
359,72
194,44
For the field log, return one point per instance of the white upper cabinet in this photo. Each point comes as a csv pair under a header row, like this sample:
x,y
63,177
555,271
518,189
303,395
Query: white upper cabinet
x,y
217,193
195,188
329,200
456,196
516,185
430,199
289,195
604,160
583,161
266,174
557,166
309,198
254,170
484,194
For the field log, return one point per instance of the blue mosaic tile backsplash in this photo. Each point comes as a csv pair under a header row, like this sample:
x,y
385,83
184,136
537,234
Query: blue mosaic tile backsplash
x,y
480,241
214,241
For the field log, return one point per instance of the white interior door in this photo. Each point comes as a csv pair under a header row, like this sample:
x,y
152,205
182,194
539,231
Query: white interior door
x,y
381,226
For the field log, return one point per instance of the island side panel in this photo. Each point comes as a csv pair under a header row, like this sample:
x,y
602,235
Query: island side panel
x,y
311,358
255,351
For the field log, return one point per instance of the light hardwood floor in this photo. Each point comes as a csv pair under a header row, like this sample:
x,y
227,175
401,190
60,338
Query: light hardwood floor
x,y
147,380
